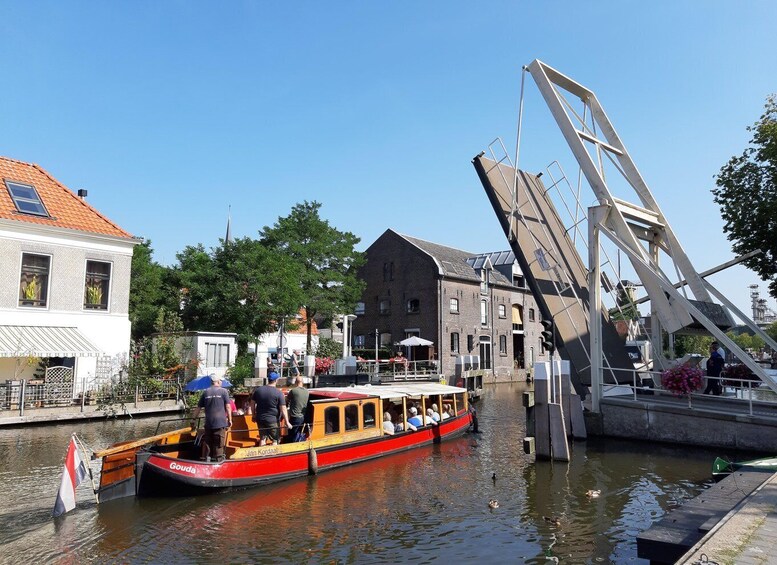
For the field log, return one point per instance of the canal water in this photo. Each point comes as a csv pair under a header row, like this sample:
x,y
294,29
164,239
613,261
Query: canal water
x,y
428,505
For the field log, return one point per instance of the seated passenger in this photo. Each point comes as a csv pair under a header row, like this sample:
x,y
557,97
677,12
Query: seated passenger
x,y
400,427
388,425
435,414
413,418
446,411
430,421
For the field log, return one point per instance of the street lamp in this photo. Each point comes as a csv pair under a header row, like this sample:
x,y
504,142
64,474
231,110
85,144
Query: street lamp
x,y
346,341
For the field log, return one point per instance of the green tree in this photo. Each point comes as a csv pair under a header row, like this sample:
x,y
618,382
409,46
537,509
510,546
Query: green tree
x,y
328,347
692,344
326,257
771,331
147,294
747,195
240,286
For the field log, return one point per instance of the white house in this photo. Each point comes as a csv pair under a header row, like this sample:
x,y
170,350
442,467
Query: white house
x,y
64,282
213,352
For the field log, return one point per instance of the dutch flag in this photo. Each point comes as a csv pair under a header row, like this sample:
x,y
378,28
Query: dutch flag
x,y
72,476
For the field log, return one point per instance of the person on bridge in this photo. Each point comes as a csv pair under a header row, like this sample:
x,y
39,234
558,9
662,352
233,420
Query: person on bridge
x,y
268,405
714,368
218,419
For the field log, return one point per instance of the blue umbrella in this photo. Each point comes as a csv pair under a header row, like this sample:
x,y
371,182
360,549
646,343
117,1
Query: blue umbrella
x,y
204,382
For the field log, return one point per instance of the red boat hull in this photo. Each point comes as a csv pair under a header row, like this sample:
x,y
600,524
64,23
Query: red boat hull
x,y
161,474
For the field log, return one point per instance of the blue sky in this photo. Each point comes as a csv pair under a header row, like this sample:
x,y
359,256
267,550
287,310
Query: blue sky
x,y
168,112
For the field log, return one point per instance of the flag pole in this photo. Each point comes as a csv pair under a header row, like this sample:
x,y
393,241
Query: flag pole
x,y
88,461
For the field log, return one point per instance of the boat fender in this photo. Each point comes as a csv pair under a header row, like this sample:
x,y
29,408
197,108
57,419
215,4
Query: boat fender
x,y
312,461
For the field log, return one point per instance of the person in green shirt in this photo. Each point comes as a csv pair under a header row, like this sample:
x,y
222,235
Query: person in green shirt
x,y
297,401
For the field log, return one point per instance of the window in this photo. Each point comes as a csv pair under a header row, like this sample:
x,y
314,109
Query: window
x,y
454,342
483,313
34,281
351,417
518,281
216,354
358,340
413,306
385,339
503,344
502,311
332,420
385,306
385,272
454,305
359,311
531,315
97,284
517,318
368,416
484,281
26,199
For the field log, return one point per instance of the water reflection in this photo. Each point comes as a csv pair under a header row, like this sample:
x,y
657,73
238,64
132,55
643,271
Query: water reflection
x,y
426,505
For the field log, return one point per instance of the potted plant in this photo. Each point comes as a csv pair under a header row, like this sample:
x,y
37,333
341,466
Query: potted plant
x,y
31,291
682,380
94,294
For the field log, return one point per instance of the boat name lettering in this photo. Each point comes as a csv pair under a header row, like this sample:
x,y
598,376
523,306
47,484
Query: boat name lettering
x,y
187,468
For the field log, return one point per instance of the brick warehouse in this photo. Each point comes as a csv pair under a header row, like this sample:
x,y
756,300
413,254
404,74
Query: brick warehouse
x,y
466,303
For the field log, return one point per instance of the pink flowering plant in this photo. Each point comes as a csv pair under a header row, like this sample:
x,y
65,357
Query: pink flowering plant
x,y
324,365
682,380
737,373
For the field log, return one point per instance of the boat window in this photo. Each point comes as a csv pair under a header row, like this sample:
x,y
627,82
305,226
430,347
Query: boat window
x,y
351,417
368,413
332,419
460,403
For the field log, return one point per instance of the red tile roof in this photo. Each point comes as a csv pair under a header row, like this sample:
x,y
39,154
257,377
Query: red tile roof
x,y
65,208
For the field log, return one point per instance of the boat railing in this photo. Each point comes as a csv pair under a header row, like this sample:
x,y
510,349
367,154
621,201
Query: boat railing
x,y
740,395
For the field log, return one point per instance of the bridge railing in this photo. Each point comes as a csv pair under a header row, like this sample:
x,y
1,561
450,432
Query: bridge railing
x,y
640,382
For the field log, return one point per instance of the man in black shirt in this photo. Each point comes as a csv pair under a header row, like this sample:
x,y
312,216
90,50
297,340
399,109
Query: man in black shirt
x,y
218,419
268,405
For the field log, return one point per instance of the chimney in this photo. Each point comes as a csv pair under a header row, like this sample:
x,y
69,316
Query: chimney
x,y
82,192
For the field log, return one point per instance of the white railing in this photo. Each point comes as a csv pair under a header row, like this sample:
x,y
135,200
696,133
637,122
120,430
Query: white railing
x,y
737,392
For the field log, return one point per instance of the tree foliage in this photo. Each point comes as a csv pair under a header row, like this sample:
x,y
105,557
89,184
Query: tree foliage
x,y
240,287
326,258
692,344
747,195
147,294
747,341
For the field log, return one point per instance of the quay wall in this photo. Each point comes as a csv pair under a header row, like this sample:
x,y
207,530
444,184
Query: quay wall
x,y
34,416
681,425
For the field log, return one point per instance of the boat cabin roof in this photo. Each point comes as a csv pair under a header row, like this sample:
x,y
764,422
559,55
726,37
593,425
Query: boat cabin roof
x,y
387,391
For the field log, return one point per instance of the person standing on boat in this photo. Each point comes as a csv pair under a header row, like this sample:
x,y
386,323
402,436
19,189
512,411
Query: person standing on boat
x,y
268,405
218,419
714,367
297,402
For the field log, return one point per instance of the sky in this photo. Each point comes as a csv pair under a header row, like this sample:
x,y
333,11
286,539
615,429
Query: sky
x,y
168,113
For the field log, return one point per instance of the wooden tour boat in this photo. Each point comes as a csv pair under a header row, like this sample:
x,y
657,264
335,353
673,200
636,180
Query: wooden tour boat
x,y
344,426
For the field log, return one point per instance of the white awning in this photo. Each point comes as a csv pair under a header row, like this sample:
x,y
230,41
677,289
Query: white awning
x,y
44,341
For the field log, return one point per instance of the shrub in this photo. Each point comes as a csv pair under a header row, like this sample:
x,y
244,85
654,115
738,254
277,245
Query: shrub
x,y
242,369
